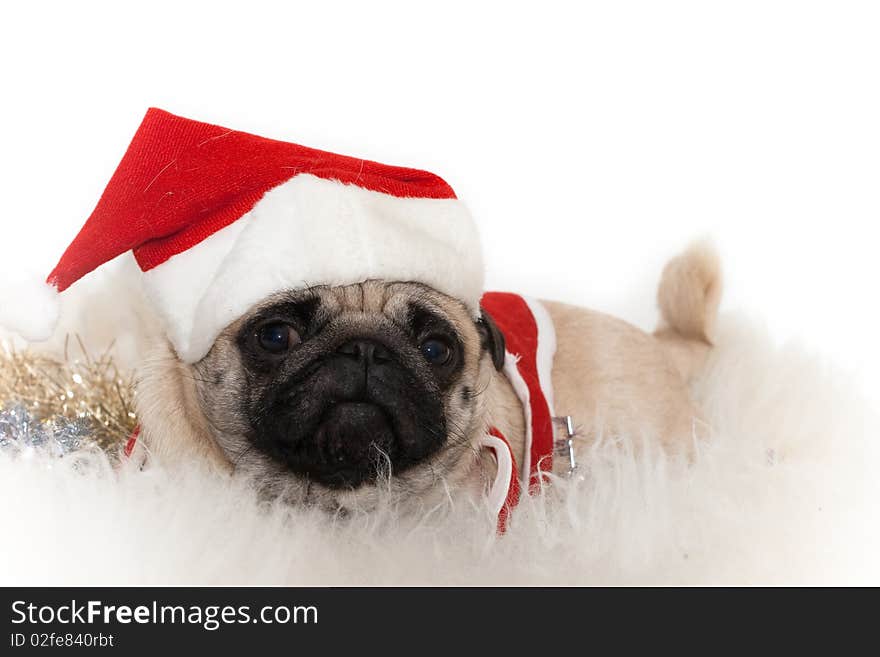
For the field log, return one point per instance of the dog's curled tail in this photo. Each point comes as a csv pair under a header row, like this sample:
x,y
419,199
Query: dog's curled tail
x,y
690,292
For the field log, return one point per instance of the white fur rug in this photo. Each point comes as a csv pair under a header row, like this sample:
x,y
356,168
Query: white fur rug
x,y
784,492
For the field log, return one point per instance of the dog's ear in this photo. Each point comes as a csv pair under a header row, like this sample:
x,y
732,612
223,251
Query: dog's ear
x,y
491,338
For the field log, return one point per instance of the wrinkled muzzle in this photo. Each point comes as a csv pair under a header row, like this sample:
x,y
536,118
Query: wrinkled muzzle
x,y
360,408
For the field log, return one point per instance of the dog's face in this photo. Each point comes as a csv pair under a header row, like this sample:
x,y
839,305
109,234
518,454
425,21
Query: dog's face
x,y
332,387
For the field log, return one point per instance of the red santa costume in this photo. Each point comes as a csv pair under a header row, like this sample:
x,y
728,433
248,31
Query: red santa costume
x,y
531,344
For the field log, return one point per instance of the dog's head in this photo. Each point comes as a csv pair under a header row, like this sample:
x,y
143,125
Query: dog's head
x,y
331,387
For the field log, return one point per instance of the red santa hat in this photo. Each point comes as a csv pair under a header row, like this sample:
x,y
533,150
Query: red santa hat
x,y
219,219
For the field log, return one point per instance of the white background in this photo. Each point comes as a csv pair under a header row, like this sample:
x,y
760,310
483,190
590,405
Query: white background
x,y
591,140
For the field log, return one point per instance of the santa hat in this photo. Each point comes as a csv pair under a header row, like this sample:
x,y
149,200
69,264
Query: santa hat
x,y
218,220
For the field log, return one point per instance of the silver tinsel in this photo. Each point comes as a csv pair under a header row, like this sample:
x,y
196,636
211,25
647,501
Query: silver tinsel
x,y
20,431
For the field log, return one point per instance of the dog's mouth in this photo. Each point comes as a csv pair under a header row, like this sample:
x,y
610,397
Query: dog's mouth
x,y
355,442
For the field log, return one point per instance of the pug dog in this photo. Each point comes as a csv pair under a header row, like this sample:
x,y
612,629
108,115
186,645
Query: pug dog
x,y
334,395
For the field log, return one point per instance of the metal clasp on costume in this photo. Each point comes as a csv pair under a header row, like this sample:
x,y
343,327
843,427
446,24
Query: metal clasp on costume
x,y
565,446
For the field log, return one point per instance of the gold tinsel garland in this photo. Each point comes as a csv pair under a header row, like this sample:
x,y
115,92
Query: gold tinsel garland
x,y
84,388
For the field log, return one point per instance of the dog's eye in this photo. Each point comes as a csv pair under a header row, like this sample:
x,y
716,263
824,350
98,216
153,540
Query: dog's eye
x,y
435,351
276,337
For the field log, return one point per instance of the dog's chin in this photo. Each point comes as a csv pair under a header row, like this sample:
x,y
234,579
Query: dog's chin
x,y
355,441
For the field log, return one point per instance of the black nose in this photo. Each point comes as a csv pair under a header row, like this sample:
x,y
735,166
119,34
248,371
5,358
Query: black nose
x,y
363,349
